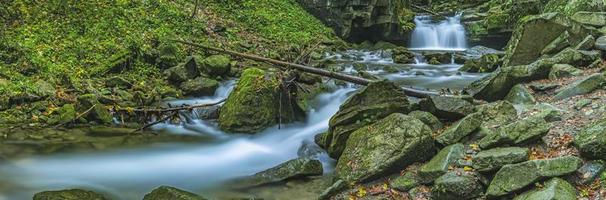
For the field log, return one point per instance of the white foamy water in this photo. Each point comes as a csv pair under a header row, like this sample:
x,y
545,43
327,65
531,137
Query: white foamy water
x,y
447,35
129,174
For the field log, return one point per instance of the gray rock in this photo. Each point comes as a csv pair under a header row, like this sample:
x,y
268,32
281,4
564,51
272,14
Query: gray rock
x,y
167,192
586,44
335,188
584,86
295,168
589,172
495,158
518,132
430,120
554,189
71,194
520,95
438,165
460,129
600,43
514,177
591,141
563,71
446,107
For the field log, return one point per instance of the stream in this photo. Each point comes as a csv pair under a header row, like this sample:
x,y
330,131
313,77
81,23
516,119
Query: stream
x,y
129,174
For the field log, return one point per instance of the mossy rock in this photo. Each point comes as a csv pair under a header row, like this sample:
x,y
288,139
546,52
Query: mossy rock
x,y
71,194
200,86
460,129
591,141
292,169
369,104
446,107
516,133
553,189
564,71
405,182
439,164
98,113
456,185
570,7
430,120
493,159
254,104
520,95
167,192
65,114
216,65
583,86
384,147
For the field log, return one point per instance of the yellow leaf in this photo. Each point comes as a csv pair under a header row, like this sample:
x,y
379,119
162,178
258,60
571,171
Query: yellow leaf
x,y
475,147
361,192
467,168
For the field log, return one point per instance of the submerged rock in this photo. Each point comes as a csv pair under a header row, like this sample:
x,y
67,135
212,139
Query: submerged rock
x,y
200,86
554,189
167,192
71,194
254,104
371,103
295,168
384,147
445,107
494,159
591,141
514,177
439,164
457,185
584,86
520,95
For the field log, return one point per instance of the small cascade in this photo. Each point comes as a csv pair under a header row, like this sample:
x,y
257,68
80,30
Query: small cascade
x,y
446,35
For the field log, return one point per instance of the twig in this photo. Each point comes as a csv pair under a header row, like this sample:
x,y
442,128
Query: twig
x,y
77,117
156,122
160,110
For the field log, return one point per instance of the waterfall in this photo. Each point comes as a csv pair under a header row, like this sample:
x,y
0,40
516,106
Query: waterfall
x,y
445,35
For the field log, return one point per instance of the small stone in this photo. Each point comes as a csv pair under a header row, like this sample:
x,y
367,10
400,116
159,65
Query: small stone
x,y
589,172
405,182
495,158
439,164
582,103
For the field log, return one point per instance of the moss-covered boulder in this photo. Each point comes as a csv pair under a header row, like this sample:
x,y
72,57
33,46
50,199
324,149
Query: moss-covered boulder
x,y
570,7
439,164
486,63
405,182
535,33
183,71
454,185
292,169
403,56
167,192
65,114
446,107
519,94
563,71
584,86
553,189
253,105
369,104
518,132
494,159
513,177
200,86
597,19
384,147
99,113
591,141
216,65
496,114
460,129
71,194
430,120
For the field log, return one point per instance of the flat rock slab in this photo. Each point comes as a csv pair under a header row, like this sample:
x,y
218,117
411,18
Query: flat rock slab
x,y
493,159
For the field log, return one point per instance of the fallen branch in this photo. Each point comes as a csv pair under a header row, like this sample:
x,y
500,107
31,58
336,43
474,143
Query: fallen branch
x,y
303,68
426,10
156,122
172,109
77,117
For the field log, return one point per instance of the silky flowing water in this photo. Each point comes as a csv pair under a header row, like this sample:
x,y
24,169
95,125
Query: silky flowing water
x,y
130,173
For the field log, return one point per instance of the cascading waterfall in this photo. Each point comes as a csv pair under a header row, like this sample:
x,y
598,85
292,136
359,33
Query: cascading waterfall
x,y
446,35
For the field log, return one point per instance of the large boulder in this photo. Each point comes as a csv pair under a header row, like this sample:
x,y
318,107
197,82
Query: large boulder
x,y
553,189
295,168
384,147
215,65
591,141
438,165
517,132
430,120
200,86
514,177
535,33
460,129
183,71
493,159
167,192
71,194
583,86
446,107
457,185
253,104
362,20
369,104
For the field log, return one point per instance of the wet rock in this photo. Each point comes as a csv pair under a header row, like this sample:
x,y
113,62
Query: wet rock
x,y
309,149
183,71
251,107
384,147
520,95
439,164
584,86
493,159
216,65
430,120
98,113
405,182
446,107
200,86
65,114
600,43
513,177
206,113
554,189
118,81
104,131
369,104
292,169
589,172
457,185
533,34
518,132
563,71
167,192
591,141
71,194
460,129
403,56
